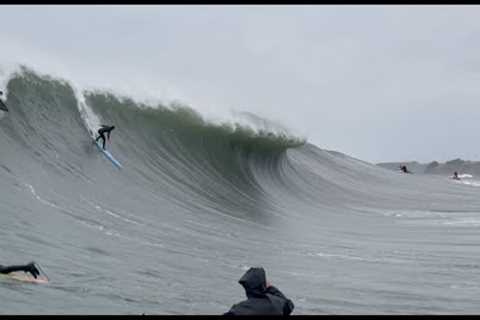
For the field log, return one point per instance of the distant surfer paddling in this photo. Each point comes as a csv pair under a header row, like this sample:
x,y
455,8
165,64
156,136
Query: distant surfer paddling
x,y
2,104
404,169
31,268
104,129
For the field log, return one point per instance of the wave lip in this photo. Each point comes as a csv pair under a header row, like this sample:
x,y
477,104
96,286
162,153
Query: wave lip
x,y
171,149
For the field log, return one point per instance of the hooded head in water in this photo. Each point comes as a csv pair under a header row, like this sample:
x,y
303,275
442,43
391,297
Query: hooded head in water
x,y
254,281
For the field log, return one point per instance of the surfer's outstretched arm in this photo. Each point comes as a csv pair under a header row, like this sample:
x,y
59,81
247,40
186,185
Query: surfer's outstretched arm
x,y
26,268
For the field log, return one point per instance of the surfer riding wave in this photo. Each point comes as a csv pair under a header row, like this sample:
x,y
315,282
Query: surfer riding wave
x,y
104,129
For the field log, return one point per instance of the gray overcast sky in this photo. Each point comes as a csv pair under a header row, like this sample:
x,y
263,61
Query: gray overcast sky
x,y
381,83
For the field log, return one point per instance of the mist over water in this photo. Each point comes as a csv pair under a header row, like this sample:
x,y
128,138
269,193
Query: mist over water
x,y
198,202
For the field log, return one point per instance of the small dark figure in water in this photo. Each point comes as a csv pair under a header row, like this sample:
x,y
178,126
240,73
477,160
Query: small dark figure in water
x,y
104,129
262,297
25,268
2,104
455,176
404,169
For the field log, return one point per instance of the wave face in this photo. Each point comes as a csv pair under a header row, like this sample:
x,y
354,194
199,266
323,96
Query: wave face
x,y
197,203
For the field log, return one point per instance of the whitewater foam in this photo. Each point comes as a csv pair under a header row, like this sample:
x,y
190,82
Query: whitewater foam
x,y
92,122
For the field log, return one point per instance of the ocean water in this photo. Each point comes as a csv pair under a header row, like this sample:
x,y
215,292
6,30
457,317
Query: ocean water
x,y
196,204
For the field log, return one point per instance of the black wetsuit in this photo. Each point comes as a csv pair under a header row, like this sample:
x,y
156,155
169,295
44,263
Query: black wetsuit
x,y
2,104
404,169
102,131
260,300
26,268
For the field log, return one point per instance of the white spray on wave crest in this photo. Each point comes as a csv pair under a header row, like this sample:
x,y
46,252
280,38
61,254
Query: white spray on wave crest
x,y
142,87
91,120
143,92
6,73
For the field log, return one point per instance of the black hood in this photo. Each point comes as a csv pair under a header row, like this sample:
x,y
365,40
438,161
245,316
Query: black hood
x,y
254,281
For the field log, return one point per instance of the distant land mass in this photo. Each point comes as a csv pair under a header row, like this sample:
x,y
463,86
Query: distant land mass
x,y
434,167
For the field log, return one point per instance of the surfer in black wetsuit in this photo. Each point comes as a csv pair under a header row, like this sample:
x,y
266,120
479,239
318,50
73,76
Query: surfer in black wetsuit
x,y
25,268
455,176
404,169
2,104
102,131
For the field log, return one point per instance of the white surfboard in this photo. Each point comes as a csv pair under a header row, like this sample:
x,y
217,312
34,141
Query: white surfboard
x,y
108,155
25,277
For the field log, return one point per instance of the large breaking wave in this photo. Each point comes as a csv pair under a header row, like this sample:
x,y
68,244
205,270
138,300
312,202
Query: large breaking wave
x,y
198,201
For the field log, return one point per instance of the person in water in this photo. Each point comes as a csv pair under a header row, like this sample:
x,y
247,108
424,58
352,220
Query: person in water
x,y
25,268
102,131
455,176
262,297
404,169
2,104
